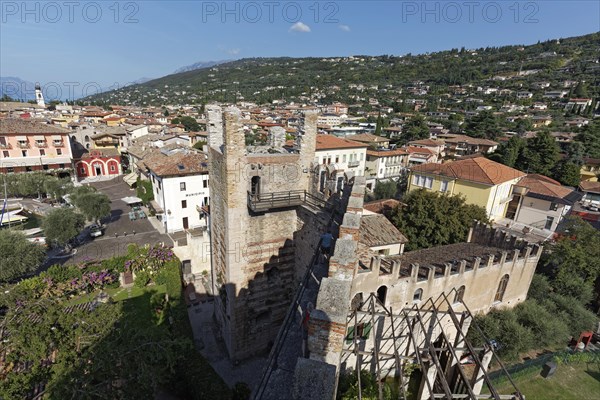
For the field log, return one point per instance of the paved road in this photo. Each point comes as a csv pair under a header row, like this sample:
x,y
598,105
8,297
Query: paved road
x,y
119,229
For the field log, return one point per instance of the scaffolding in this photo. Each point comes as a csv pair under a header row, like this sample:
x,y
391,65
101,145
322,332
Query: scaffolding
x,y
430,336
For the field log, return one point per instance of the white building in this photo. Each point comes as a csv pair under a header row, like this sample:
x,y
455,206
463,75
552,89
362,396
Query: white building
x,y
330,119
383,165
180,185
335,156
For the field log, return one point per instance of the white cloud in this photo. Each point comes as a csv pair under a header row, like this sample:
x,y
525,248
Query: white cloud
x,y
344,28
233,52
300,27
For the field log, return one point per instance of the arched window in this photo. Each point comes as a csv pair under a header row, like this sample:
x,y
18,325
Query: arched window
x,y
381,294
418,295
356,301
501,288
86,138
460,293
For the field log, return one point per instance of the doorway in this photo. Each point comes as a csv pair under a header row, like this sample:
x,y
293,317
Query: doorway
x,y
185,223
98,169
255,186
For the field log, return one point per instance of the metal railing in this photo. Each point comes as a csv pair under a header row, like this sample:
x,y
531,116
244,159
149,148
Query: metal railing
x,y
269,201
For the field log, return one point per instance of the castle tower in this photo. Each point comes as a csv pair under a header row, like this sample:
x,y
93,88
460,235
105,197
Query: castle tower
x,y
255,260
39,97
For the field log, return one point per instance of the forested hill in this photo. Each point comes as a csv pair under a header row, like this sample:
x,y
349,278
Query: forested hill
x,y
350,79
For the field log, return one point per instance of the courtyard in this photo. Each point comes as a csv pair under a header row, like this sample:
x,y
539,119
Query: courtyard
x,y
120,230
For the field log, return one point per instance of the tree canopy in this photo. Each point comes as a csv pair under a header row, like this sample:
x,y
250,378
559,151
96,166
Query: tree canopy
x,y
431,219
483,125
61,225
416,128
18,256
189,123
571,262
93,205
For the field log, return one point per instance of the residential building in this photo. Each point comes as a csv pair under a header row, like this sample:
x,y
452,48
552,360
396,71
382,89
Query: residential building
x,y
383,165
335,156
540,203
437,146
590,170
329,119
180,183
27,145
420,155
463,145
482,182
373,141
380,235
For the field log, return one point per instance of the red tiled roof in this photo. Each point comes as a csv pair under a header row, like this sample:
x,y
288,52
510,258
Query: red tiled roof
x,y
330,142
193,163
545,186
479,169
24,126
387,153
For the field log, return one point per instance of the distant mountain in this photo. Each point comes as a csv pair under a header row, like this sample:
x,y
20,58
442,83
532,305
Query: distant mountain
x,y
138,81
199,65
17,88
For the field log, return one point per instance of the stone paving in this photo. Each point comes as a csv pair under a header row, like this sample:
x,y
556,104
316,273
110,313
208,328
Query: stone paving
x,y
119,230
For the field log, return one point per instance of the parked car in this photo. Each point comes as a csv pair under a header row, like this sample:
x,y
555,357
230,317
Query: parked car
x,y
96,230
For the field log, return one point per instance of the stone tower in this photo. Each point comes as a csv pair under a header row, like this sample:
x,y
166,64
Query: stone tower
x,y
39,97
255,239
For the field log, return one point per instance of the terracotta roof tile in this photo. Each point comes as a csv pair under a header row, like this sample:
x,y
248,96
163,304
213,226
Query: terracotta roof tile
x,y
479,169
330,142
21,126
377,230
179,163
542,185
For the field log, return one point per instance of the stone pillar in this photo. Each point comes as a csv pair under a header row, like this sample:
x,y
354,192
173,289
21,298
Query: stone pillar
x,y
425,393
277,137
214,126
343,262
479,371
327,324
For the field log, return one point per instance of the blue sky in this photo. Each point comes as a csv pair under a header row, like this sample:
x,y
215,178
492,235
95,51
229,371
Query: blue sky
x,y
92,42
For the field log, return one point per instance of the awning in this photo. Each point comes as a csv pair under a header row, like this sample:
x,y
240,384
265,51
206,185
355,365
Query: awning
x,y
130,178
57,137
131,200
22,138
39,137
156,207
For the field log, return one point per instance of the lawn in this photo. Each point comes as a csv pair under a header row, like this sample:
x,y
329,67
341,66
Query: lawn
x,y
575,381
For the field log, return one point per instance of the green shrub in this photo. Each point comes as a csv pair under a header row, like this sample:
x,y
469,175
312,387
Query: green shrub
x,y
62,273
141,279
115,264
546,327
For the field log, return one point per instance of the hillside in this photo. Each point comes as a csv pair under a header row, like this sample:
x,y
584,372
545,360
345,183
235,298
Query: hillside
x,y
355,79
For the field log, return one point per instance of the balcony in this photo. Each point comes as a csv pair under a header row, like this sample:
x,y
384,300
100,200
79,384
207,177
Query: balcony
x,y
5,146
57,143
353,164
23,145
41,144
264,202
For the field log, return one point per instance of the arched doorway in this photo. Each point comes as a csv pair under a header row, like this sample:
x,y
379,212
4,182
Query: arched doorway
x,y
382,294
255,186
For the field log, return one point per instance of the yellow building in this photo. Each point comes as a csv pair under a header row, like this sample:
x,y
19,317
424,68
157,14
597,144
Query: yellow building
x,y
590,170
481,181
